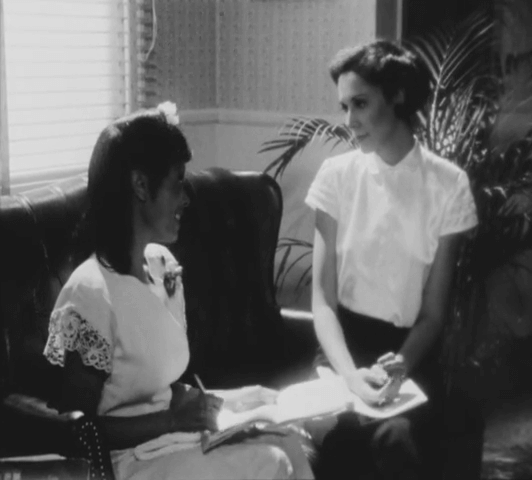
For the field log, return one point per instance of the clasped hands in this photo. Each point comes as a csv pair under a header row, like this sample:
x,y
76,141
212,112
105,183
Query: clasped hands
x,y
379,384
192,410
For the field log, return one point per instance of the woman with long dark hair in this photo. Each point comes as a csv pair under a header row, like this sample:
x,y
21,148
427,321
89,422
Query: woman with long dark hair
x,y
119,327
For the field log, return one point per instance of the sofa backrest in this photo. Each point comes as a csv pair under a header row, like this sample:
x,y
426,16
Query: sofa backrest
x,y
226,246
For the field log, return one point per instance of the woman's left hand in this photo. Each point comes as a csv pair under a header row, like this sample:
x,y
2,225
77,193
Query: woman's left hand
x,y
394,365
390,391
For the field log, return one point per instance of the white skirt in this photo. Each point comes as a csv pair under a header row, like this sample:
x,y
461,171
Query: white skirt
x,y
266,457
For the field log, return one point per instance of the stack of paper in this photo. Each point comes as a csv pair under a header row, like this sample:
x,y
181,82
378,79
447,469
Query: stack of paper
x,y
324,396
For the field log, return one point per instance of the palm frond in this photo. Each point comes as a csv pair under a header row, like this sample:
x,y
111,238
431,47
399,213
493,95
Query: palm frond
x,y
468,49
457,59
282,266
457,55
285,242
305,278
287,245
294,264
297,133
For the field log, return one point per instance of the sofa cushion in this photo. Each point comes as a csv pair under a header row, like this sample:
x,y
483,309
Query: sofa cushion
x,y
227,245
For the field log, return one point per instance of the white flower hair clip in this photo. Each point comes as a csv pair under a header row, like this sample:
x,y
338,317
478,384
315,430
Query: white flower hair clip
x,y
170,110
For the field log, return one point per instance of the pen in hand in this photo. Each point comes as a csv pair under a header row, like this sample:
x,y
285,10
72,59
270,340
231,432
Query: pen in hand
x,y
200,384
212,405
211,400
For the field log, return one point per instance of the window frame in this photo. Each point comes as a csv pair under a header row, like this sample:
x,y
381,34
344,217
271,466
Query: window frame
x,y
136,28
389,19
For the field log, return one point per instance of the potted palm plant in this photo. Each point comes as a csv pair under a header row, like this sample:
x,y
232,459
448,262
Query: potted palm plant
x,y
471,99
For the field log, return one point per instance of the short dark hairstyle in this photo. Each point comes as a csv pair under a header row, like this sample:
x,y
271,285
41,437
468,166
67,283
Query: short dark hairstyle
x,y
392,68
149,141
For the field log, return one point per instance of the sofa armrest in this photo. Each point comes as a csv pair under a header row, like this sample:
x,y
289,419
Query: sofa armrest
x,y
293,315
34,428
32,406
44,466
299,327
92,446
301,343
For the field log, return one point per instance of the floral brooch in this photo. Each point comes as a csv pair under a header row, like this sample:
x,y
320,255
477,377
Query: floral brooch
x,y
162,268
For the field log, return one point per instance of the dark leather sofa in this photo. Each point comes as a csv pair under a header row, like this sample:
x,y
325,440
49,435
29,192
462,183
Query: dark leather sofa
x,y
227,245
238,334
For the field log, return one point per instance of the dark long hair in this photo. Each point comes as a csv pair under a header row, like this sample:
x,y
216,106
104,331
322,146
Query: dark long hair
x,y
149,141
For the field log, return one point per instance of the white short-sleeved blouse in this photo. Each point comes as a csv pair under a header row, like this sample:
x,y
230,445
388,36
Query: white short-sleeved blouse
x,y
134,332
389,221
137,334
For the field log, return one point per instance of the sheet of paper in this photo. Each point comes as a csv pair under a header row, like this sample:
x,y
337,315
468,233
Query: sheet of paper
x,y
313,398
330,394
327,395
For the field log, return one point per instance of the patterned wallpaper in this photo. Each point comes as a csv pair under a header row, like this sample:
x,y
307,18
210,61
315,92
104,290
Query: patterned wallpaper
x,y
274,54
267,55
182,65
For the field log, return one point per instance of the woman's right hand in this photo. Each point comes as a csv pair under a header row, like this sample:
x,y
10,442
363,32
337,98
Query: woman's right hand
x,y
195,411
367,384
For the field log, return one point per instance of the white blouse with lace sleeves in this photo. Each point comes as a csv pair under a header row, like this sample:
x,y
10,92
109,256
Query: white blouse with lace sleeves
x,y
460,212
82,321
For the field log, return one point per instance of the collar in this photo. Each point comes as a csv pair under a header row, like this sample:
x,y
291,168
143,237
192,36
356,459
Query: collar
x,y
409,163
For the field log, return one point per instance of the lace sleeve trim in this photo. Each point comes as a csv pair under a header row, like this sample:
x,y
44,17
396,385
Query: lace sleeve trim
x,y
69,331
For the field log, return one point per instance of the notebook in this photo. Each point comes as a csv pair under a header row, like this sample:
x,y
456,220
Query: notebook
x,y
327,395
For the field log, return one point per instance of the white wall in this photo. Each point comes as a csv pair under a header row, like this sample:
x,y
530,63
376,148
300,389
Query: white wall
x,y
237,69
273,55
258,55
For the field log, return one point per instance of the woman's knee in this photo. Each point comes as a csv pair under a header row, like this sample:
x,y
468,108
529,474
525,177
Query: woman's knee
x,y
393,434
318,429
276,464
394,451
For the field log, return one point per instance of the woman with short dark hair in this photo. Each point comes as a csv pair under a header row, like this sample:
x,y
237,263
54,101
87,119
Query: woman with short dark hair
x,y
393,69
389,219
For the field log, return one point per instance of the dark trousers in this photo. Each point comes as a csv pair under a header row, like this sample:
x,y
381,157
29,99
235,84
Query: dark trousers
x,y
403,447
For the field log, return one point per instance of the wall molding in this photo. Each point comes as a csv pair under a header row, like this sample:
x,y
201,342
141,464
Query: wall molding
x,y
389,19
224,116
29,180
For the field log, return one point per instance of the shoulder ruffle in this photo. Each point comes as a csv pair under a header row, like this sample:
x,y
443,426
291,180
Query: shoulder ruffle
x,y
69,331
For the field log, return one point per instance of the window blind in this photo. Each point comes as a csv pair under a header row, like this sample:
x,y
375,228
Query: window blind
x,y
72,66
